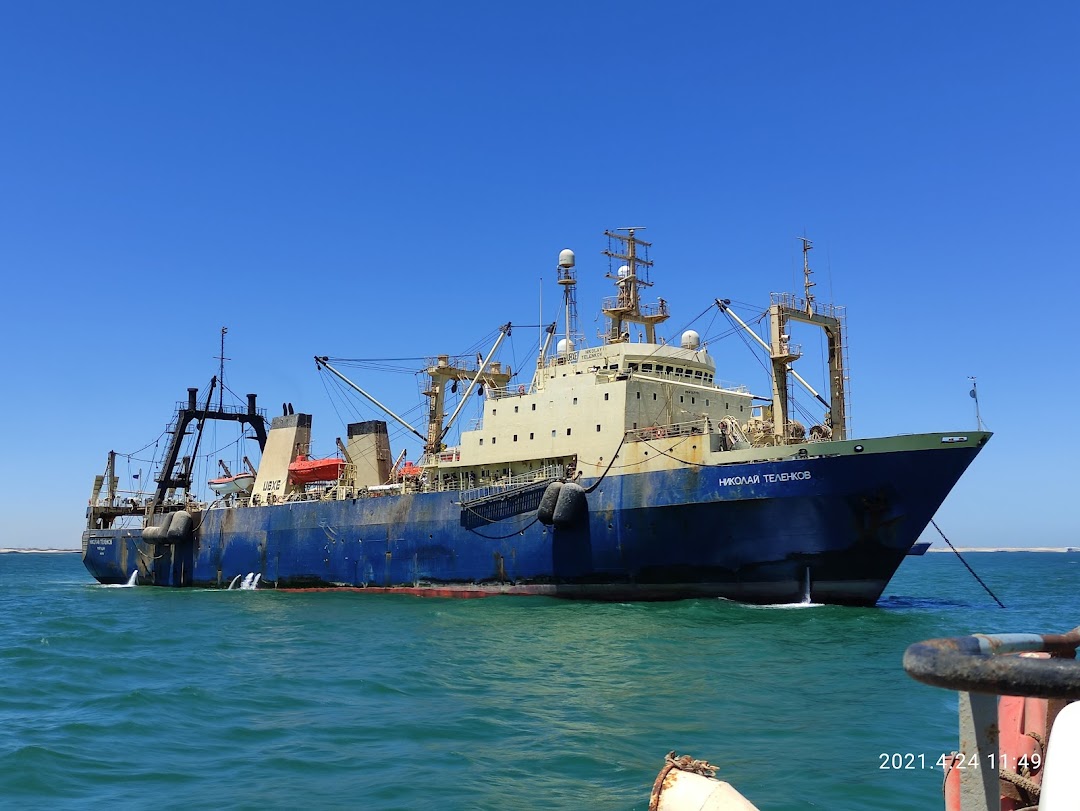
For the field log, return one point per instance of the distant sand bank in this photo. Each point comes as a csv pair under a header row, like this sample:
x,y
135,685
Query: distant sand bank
x,y
936,548
39,551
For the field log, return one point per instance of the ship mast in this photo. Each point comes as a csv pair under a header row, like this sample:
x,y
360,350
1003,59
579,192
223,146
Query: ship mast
x,y
626,307
785,308
221,369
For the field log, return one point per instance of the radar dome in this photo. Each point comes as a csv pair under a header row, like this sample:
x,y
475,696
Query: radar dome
x,y
624,271
566,258
564,346
690,340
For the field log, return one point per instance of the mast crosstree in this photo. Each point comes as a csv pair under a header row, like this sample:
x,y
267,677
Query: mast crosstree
x,y
626,308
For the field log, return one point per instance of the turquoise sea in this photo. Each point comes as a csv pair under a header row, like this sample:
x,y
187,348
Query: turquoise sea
x,y
144,697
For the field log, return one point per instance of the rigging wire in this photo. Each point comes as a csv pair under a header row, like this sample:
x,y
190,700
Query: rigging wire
x,y
953,548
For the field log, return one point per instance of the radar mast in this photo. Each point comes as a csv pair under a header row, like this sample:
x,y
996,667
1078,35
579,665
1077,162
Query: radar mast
x,y
626,308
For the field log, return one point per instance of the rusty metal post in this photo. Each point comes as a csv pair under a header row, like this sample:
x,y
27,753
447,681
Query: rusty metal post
x,y
979,749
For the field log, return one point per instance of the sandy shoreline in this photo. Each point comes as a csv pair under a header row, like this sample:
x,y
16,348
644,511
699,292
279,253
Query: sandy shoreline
x,y
936,548
38,551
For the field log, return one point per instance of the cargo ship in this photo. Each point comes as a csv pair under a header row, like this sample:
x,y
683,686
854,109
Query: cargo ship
x,y
623,471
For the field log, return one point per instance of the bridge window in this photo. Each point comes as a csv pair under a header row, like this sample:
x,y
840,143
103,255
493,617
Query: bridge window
x,y
646,367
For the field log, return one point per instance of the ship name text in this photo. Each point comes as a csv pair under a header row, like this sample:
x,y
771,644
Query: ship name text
x,y
768,478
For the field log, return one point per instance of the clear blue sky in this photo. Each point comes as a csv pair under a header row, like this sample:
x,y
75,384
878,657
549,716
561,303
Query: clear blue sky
x,y
395,180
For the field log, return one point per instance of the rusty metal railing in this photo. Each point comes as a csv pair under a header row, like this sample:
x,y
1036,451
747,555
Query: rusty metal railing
x,y
972,664
975,667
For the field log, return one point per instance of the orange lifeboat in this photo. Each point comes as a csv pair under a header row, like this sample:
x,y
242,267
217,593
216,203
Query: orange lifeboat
x,y
309,471
410,470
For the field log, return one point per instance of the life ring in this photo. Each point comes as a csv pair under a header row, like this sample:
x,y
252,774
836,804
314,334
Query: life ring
x,y
521,389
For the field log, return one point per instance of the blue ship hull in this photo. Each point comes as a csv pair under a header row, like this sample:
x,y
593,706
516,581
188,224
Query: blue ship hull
x,y
833,528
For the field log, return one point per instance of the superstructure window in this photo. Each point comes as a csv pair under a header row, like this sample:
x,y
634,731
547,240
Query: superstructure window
x,y
598,428
515,437
568,431
605,395
481,440
646,367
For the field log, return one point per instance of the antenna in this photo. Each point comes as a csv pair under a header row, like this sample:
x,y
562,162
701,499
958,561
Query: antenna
x,y
221,367
807,246
567,278
975,396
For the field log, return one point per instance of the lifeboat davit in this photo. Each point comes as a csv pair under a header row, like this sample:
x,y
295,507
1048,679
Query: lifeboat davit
x,y
228,485
309,471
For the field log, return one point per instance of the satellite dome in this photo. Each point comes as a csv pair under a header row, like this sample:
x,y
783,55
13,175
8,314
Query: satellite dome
x,y
566,258
624,271
564,346
690,340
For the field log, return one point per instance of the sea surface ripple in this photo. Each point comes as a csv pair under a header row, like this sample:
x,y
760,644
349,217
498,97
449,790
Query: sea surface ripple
x,y
140,697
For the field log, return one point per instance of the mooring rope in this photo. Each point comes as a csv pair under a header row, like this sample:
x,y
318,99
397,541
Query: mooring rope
x,y
953,548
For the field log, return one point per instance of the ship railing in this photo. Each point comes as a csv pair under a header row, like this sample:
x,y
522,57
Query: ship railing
x,y
623,303
793,302
676,429
511,482
182,405
976,667
519,390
